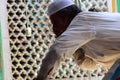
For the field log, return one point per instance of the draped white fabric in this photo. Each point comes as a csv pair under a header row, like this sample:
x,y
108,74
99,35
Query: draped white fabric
x,y
98,33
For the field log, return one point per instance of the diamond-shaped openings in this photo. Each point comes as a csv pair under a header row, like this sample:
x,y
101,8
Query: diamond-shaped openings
x,y
27,52
99,4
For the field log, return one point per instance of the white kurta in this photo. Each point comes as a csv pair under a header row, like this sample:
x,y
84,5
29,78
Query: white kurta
x,y
98,33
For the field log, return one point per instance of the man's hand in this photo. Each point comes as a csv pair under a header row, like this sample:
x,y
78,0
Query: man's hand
x,y
48,64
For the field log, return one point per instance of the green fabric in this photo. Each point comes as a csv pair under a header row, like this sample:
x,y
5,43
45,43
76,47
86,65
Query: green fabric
x,y
1,58
118,6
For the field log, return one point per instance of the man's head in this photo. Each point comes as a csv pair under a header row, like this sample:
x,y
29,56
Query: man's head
x,y
61,13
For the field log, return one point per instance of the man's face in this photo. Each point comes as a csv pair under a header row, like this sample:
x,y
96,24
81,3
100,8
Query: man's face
x,y
59,24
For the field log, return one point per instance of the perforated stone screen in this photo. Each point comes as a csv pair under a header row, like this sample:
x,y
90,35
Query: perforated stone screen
x,y
99,4
31,36
85,5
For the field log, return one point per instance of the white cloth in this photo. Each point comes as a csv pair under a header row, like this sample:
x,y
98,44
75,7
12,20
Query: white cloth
x,y
57,5
98,33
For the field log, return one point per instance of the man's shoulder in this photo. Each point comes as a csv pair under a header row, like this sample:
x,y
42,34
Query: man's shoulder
x,y
98,15
87,13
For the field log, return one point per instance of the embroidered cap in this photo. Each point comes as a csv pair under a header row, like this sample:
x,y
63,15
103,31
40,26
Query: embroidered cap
x,y
57,5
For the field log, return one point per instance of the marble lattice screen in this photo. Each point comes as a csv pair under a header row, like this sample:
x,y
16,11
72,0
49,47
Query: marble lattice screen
x,y
30,33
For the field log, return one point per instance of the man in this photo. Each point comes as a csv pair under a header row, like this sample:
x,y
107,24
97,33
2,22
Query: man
x,y
91,37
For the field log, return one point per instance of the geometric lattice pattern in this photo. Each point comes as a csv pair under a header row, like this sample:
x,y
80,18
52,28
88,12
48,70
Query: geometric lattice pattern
x,y
98,4
31,36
